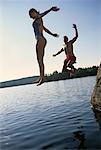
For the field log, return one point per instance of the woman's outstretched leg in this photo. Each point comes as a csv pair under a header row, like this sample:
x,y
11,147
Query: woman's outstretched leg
x,y
41,68
40,55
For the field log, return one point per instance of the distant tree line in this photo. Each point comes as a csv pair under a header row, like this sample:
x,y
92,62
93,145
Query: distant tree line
x,y
80,72
55,76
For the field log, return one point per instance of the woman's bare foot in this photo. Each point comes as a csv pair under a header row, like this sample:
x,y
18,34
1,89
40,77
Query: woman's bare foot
x,y
37,81
41,81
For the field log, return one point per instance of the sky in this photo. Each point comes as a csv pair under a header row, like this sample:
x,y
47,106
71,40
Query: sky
x,y
17,40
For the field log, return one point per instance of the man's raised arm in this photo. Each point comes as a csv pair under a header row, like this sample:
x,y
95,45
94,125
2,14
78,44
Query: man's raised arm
x,y
76,33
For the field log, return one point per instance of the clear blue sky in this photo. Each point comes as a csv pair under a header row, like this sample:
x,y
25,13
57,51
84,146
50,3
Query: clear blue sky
x,y
17,41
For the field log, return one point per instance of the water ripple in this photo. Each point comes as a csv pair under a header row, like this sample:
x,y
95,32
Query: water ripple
x,y
55,116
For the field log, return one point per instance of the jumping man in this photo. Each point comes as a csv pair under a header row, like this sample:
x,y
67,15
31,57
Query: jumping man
x,y
68,49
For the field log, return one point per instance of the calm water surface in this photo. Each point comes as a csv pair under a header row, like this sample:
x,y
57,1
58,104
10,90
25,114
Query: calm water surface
x,y
53,116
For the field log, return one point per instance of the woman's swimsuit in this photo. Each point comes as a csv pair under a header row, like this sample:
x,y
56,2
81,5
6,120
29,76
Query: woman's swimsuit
x,y
36,26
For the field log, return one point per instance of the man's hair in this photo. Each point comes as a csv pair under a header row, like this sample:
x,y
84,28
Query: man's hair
x,y
65,37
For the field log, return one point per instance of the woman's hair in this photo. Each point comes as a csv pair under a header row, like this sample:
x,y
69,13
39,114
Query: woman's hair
x,y
33,10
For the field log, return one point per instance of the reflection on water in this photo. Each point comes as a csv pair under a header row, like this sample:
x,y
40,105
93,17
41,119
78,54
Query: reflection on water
x,y
80,136
54,116
98,117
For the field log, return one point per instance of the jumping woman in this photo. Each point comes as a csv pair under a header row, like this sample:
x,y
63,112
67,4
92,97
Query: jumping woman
x,y
41,41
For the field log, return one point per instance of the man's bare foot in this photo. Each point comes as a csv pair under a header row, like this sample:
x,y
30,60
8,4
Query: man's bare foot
x,y
72,72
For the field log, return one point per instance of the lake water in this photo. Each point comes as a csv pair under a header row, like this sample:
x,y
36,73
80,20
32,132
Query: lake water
x,y
53,116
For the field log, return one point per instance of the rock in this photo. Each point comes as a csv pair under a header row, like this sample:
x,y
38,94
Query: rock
x,y
96,95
